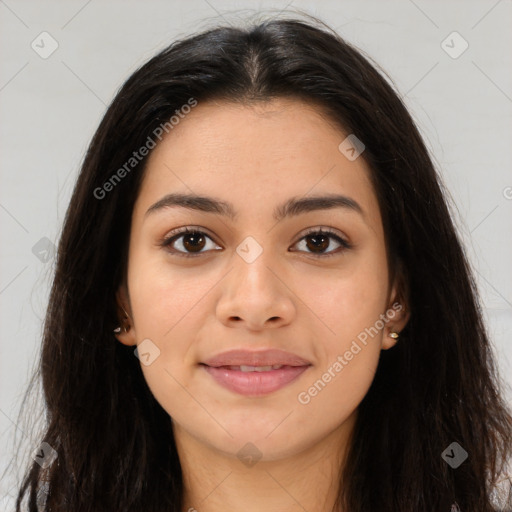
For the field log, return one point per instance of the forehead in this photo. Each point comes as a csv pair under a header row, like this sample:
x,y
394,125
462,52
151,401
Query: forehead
x,y
255,156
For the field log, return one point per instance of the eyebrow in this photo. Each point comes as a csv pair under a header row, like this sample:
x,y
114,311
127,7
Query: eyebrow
x,y
291,208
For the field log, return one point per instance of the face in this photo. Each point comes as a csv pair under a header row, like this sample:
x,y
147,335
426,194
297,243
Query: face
x,y
309,281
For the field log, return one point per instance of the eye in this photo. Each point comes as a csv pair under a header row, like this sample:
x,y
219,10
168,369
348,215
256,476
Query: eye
x,y
192,240
318,240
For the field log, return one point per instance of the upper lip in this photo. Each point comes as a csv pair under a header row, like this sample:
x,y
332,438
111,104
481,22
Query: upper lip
x,y
245,357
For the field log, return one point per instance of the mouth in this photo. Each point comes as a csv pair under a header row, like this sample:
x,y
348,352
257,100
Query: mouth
x,y
247,368
255,374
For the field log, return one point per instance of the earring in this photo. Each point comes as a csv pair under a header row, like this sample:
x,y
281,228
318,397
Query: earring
x,y
127,327
393,335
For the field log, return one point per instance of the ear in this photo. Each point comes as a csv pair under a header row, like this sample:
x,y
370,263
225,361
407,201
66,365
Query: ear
x,y
397,312
126,334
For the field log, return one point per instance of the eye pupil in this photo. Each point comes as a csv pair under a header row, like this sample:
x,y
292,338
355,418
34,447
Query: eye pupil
x,y
322,245
195,237
193,242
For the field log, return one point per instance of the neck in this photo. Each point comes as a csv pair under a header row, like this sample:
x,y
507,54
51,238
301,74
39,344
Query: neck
x,y
307,480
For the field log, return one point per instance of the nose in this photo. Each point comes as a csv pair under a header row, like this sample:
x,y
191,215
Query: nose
x,y
256,295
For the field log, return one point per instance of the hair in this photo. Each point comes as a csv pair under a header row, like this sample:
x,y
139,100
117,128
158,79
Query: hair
x,y
439,385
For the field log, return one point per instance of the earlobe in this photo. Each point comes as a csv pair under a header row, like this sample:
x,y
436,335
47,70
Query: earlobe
x,y
398,312
390,340
124,335
395,325
124,332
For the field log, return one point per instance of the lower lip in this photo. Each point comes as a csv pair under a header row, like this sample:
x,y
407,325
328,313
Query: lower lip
x,y
255,383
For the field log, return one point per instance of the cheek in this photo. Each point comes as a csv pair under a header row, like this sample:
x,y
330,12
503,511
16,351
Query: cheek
x,y
352,309
351,301
336,391
167,310
164,297
350,305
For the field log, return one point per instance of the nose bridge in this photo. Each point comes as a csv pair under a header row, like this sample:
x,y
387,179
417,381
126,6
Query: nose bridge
x,y
253,292
252,262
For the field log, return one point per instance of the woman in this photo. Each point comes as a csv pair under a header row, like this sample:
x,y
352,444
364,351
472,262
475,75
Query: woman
x,y
261,301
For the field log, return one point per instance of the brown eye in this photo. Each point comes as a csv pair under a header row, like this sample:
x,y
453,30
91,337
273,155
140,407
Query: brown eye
x,y
187,243
193,242
318,241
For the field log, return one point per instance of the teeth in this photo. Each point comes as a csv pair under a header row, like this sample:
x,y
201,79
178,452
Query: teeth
x,y
245,368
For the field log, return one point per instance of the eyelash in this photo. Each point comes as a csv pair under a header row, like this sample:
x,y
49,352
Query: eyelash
x,y
175,235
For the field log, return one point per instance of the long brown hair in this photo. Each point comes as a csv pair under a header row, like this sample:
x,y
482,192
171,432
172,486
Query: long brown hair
x,y
438,386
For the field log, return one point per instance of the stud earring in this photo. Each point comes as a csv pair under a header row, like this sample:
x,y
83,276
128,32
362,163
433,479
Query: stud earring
x,y
126,327
393,335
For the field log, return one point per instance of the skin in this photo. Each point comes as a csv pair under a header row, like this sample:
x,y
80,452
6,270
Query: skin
x,y
257,157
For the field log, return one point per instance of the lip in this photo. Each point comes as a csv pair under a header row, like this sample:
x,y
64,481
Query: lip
x,y
246,357
255,383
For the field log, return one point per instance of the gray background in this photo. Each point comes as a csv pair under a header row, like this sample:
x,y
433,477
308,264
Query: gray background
x,y
51,106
